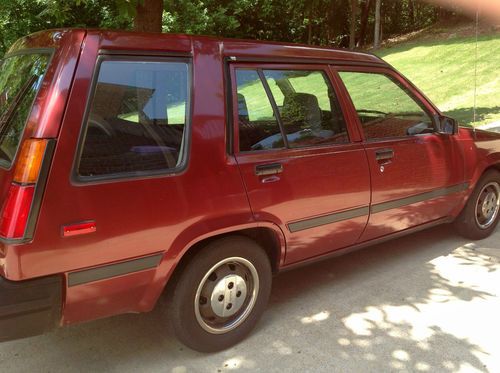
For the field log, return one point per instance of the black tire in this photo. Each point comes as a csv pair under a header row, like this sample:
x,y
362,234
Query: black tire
x,y
472,223
190,322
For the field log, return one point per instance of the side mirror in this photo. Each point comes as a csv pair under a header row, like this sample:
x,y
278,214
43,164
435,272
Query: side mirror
x,y
446,125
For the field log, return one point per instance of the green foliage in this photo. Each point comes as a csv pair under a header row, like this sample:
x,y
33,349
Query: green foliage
x,y
201,17
22,17
322,22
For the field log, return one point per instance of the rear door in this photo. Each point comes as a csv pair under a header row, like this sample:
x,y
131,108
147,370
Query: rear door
x,y
301,166
416,172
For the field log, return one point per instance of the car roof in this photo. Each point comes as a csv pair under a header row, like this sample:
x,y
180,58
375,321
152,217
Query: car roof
x,y
234,49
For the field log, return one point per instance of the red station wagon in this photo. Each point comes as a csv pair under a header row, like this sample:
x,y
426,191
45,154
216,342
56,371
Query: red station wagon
x,y
134,166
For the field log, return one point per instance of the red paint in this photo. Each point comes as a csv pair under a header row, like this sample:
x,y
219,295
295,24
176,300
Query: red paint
x,y
107,297
218,193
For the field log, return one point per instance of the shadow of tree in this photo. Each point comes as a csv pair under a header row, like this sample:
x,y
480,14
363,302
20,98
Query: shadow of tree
x,y
469,42
466,115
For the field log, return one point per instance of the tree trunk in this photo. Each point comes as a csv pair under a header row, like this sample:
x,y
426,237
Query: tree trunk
x,y
364,23
376,38
354,13
148,16
411,13
445,14
310,24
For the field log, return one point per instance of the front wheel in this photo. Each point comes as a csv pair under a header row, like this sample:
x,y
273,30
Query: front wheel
x,y
221,294
480,216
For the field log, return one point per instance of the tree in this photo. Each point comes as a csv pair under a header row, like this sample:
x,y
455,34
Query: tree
x,y
321,22
364,23
376,37
310,22
148,16
352,26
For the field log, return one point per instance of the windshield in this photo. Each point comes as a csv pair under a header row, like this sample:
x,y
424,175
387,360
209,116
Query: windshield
x,y
20,78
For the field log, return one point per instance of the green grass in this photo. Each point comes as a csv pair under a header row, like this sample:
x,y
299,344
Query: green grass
x,y
377,92
444,70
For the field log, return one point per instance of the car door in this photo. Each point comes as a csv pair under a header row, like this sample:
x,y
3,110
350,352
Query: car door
x,y
416,173
301,166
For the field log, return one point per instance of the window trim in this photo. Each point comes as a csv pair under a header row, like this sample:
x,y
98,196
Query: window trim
x,y
404,84
276,111
260,68
6,166
78,179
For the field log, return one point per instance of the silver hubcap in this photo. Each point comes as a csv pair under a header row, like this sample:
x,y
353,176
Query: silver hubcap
x,y
226,295
488,205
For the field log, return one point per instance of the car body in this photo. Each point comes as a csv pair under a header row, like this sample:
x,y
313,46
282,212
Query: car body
x,y
97,243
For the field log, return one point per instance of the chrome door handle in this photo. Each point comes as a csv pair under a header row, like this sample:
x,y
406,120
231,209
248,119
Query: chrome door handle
x,y
384,154
268,169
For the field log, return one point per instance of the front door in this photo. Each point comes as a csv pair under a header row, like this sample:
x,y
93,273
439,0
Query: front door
x,y
299,160
416,173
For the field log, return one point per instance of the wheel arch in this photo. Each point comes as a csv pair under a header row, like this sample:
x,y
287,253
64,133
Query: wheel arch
x,y
267,235
478,174
489,167
495,166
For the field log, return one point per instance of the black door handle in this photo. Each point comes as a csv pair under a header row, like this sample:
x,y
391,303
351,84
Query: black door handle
x,y
384,154
268,169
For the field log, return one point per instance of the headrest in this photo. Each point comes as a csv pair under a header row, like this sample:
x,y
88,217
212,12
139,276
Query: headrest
x,y
303,108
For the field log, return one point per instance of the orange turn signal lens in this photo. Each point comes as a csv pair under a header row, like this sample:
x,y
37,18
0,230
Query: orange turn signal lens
x,y
30,160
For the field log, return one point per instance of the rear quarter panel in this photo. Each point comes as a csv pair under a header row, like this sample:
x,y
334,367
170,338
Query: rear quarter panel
x,y
48,108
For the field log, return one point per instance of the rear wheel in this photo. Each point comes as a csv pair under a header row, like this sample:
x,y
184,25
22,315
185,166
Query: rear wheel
x,y
221,294
481,213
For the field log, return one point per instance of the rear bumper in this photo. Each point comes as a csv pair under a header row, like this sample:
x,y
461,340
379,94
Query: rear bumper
x,y
30,307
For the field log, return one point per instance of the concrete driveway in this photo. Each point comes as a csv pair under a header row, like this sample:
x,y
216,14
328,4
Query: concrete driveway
x,y
429,302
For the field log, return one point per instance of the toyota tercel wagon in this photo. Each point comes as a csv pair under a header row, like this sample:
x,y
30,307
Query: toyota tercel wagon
x,y
140,166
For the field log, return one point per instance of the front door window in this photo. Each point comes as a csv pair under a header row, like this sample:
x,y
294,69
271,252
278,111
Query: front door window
x,y
385,108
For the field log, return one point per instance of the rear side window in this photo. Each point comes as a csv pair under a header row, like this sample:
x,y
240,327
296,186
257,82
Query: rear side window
x,y
137,118
20,78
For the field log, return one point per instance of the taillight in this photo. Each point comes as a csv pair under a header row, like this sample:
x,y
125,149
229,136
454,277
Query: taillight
x,y
30,161
17,206
16,210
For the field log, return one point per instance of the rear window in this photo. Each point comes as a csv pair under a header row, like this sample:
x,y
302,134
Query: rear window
x,y
137,118
20,78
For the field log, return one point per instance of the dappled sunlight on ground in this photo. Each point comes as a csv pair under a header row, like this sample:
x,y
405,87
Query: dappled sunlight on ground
x,y
463,304
321,316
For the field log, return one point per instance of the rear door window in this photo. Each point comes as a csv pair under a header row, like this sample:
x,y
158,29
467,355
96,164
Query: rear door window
x,y
259,129
137,118
20,79
308,107
287,109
